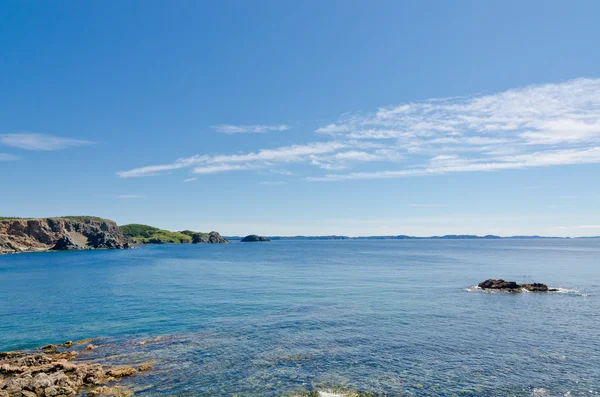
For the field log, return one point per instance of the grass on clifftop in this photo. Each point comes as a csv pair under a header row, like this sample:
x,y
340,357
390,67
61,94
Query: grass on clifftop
x,y
148,234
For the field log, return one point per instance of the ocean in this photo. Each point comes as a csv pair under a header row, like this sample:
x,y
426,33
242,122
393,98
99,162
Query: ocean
x,y
378,317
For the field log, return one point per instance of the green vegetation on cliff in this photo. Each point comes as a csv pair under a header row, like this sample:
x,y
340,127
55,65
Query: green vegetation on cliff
x,y
152,235
144,234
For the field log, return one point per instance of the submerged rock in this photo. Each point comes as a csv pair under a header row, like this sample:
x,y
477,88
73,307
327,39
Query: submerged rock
x,y
512,286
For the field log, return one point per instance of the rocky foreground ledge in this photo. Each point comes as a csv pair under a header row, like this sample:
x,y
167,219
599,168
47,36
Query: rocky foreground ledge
x,y
512,286
60,234
50,372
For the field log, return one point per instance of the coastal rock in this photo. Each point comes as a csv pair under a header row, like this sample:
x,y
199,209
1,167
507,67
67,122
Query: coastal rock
x,y
66,244
499,284
512,286
120,372
254,238
50,374
208,238
69,233
535,287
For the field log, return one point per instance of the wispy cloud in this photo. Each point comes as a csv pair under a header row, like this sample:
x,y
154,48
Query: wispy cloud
x,y
190,179
281,172
132,196
219,168
234,162
31,141
244,129
536,126
423,205
8,157
273,183
452,164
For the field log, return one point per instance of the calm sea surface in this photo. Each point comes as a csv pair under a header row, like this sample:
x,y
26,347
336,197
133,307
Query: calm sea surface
x,y
283,318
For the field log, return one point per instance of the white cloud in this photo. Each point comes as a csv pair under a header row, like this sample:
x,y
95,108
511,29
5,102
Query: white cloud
x,y
272,183
190,179
281,172
215,169
132,196
422,205
357,155
536,126
241,129
8,157
30,141
260,159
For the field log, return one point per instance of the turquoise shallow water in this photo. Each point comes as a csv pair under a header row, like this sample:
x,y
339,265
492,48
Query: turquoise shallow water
x,y
387,317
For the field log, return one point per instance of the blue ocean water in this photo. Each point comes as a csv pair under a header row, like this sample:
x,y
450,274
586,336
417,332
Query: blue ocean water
x,y
288,317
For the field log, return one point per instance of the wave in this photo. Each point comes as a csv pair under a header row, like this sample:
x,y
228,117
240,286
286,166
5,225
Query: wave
x,y
557,290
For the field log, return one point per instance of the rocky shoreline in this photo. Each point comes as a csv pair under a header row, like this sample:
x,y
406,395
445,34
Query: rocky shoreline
x,y
60,234
52,371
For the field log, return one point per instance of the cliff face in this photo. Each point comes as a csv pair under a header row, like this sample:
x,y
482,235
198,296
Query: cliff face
x,y
22,235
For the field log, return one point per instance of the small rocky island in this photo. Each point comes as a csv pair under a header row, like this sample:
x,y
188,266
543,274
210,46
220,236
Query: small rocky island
x,y
253,238
51,372
512,286
59,234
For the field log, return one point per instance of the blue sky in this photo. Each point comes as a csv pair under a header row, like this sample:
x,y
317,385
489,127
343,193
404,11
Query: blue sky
x,y
313,117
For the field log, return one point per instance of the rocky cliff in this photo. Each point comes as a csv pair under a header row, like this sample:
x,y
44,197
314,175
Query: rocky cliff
x,y
71,233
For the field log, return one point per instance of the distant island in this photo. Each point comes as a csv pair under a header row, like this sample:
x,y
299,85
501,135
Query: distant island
x,y
70,233
89,232
253,238
405,237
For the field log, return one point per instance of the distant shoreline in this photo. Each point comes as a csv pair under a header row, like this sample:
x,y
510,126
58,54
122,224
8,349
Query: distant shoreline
x,y
404,237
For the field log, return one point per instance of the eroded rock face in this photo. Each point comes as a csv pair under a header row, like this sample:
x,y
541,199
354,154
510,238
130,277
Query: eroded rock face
x,y
52,374
22,235
512,286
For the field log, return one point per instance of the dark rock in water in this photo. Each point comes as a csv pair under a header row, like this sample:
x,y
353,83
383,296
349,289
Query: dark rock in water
x,y
253,238
535,287
65,244
499,284
512,286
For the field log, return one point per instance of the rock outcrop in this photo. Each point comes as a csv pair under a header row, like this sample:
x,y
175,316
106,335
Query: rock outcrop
x,y
253,238
208,238
77,233
511,286
53,374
